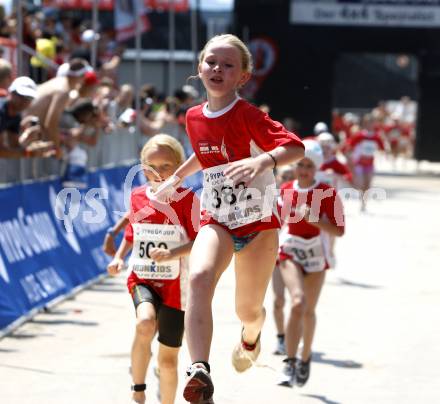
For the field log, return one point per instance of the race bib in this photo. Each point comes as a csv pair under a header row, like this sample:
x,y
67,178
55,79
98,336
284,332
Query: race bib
x,y
147,236
236,205
307,253
368,148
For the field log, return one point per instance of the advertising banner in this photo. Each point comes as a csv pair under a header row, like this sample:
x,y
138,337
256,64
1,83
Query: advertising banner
x,y
51,240
379,13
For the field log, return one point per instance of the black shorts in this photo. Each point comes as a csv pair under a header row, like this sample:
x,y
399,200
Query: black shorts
x,y
170,320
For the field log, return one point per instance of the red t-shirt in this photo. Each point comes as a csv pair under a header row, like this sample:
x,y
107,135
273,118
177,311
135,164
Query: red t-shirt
x,y
363,145
321,198
239,131
323,202
338,168
184,212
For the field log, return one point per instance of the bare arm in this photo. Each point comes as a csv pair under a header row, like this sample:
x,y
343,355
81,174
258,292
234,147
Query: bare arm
x,y
189,167
51,122
246,170
109,240
328,227
162,254
117,263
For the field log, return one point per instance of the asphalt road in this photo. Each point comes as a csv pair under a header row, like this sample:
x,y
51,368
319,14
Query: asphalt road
x,y
377,338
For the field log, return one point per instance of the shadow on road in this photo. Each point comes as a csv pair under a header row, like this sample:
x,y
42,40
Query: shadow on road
x,y
63,322
346,282
27,369
104,288
319,357
324,399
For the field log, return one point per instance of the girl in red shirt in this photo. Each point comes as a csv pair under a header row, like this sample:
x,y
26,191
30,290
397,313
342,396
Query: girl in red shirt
x,y
159,236
237,146
312,211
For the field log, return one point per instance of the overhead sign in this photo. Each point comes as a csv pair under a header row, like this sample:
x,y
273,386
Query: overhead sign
x,y
377,13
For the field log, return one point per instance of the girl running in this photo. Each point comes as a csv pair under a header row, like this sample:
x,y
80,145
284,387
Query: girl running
x,y
159,236
312,211
237,146
362,147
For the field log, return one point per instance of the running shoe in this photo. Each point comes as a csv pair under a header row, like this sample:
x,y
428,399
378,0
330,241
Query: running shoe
x,y
198,386
281,346
244,355
302,372
287,376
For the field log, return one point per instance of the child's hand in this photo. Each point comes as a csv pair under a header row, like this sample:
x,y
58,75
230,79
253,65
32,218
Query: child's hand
x,y
160,254
115,266
166,191
244,170
247,169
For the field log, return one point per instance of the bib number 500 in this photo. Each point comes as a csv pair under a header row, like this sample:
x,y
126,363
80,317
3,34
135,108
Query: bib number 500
x,y
227,195
144,248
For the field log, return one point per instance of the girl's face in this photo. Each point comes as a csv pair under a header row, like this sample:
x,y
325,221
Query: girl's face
x,y
305,171
221,70
327,150
161,163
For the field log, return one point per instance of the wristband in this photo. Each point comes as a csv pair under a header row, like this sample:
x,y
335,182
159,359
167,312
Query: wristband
x,y
273,159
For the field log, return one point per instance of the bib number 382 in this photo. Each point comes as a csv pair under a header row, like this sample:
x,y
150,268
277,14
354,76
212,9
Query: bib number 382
x,y
234,205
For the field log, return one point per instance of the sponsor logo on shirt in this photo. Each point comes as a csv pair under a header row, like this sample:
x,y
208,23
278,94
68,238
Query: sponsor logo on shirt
x,y
206,148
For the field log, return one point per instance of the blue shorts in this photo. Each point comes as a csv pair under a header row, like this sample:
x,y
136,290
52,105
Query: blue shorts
x,y
241,242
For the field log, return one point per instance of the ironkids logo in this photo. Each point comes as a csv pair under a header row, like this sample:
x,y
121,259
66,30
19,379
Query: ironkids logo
x,y
206,148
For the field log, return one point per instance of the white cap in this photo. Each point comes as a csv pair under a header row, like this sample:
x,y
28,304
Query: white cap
x,y
24,86
319,128
325,137
313,151
63,70
89,36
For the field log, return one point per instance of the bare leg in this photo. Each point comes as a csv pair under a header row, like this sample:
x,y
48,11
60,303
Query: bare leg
x,y
210,256
294,281
253,270
279,301
167,362
312,288
141,348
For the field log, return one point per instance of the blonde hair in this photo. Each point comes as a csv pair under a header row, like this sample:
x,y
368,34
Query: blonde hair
x,y
246,56
164,140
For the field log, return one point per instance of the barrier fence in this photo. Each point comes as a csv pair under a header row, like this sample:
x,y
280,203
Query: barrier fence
x,y
44,259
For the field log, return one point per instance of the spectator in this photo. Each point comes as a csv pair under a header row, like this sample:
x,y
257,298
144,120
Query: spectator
x,y
13,144
52,98
74,125
5,77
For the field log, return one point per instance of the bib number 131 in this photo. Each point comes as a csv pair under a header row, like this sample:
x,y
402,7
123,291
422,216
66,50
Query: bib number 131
x,y
228,194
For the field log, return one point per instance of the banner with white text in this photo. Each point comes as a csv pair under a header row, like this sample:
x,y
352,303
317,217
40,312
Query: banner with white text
x,y
375,13
51,239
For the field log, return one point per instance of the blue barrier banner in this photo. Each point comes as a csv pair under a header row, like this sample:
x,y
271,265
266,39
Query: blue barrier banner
x,y
51,239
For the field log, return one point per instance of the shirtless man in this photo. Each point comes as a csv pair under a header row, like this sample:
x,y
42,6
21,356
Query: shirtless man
x,y
52,97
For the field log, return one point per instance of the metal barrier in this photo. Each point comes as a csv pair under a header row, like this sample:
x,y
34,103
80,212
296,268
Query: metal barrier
x,y
112,149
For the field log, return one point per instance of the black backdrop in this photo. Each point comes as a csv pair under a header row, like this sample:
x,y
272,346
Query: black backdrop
x,y
301,83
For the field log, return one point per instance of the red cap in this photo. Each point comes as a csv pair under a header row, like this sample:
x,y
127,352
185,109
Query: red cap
x,y
90,78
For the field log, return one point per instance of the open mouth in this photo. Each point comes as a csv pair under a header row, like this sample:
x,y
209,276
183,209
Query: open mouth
x,y
217,80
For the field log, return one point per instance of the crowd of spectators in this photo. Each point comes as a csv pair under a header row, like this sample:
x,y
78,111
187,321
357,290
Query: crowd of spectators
x,y
62,105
